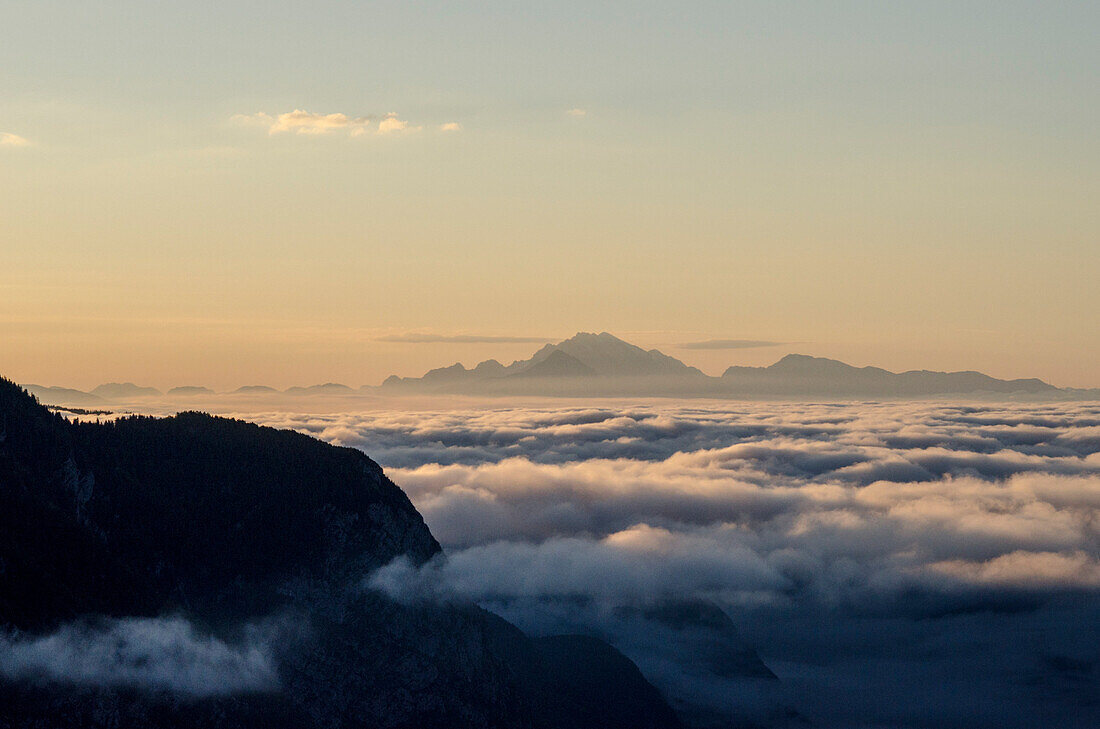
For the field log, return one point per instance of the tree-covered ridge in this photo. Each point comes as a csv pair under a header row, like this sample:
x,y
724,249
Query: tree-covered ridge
x,y
182,510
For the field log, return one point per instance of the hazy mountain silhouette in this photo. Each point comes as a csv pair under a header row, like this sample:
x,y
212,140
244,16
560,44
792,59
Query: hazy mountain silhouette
x,y
557,364
801,374
254,390
188,390
329,388
604,365
119,390
63,395
246,533
610,356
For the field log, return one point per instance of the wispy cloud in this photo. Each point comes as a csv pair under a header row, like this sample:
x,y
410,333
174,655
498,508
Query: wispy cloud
x,y
165,654
731,344
301,121
450,127
7,139
576,112
415,338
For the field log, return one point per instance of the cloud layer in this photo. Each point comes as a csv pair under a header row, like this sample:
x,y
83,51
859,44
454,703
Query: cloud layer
x,y
920,564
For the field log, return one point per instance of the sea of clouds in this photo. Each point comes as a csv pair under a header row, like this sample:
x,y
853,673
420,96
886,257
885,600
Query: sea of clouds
x,y
894,564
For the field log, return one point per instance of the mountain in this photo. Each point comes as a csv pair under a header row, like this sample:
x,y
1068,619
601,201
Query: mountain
x,y
583,364
63,396
557,364
197,571
602,365
579,689
254,390
188,390
798,374
610,356
119,390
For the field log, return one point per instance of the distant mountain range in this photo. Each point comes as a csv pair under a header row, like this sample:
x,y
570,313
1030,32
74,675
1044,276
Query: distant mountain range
x,y
602,365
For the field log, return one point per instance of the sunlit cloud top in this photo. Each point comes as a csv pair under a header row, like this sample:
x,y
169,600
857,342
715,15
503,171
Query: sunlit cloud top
x,y
301,121
7,139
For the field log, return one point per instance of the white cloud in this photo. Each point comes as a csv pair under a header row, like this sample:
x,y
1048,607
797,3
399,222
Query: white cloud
x,y
391,124
7,139
301,121
576,112
450,127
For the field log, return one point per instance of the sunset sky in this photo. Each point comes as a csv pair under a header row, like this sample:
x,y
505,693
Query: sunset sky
x,y
222,193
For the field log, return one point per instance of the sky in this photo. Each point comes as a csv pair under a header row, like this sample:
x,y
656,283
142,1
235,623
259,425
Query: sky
x,y
229,193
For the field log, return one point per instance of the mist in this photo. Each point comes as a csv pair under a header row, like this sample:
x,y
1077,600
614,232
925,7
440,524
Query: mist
x,y
150,654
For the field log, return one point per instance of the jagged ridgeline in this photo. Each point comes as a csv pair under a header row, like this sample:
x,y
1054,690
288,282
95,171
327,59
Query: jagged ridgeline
x,y
258,541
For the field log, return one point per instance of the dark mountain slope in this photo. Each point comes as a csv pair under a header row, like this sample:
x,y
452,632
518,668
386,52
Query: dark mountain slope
x,y
588,688
230,526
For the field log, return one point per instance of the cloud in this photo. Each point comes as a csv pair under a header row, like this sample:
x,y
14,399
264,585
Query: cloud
x,y
165,654
576,112
731,344
7,139
301,121
895,563
450,127
391,124
639,564
415,338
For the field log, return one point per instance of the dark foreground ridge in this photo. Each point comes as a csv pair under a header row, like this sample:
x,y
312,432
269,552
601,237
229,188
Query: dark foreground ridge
x,y
256,541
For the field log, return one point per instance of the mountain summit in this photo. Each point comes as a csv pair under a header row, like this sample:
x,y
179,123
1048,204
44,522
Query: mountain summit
x,y
589,360
610,356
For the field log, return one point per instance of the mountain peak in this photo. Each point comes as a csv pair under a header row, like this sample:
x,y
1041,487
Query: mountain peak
x,y
557,364
804,363
608,355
